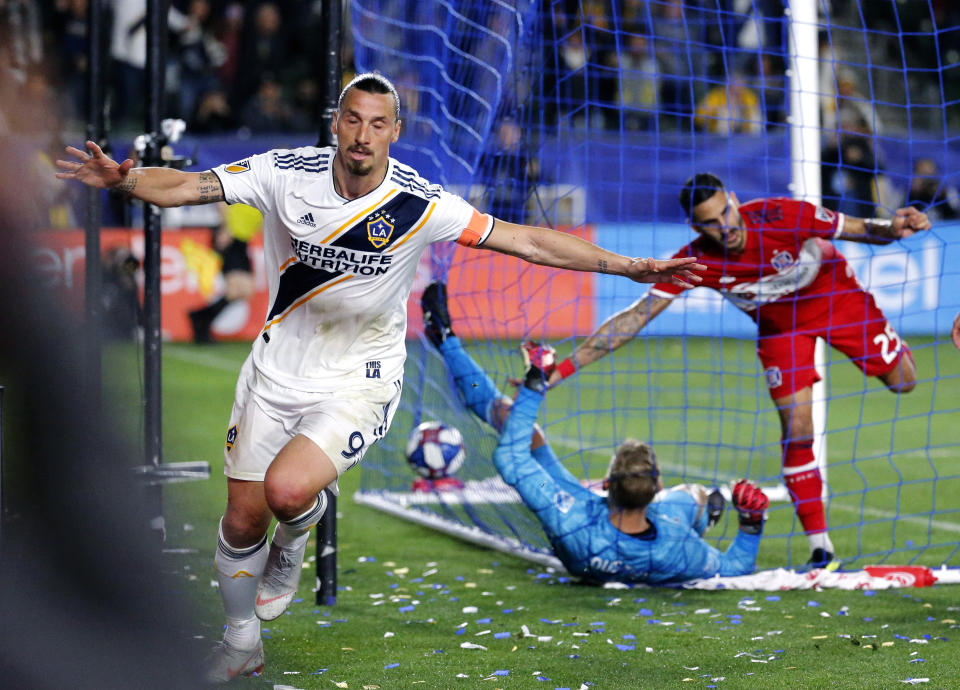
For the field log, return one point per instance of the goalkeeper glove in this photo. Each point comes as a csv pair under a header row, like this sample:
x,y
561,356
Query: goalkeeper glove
x,y
715,505
751,504
539,361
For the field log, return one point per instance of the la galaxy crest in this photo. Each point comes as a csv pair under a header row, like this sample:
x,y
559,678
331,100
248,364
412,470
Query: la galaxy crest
x,y
380,229
231,437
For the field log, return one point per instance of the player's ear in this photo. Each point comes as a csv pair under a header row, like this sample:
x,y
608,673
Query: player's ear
x,y
734,199
396,132
333,122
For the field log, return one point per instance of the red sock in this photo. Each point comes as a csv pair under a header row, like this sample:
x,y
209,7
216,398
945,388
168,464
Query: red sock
x,y
802,478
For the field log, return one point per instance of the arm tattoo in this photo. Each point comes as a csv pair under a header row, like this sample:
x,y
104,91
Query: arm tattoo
x,y
209,188
602,265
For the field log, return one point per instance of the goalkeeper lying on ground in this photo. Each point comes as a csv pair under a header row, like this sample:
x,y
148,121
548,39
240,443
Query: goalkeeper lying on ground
x,y
635,534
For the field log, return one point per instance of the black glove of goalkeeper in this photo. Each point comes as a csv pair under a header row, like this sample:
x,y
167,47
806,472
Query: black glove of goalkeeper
x,y
751,505
539,361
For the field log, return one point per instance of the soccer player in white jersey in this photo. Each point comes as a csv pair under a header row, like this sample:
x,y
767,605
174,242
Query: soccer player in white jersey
x,y
344,228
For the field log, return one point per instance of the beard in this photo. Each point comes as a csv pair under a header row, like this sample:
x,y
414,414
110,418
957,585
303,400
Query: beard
x,y
359,168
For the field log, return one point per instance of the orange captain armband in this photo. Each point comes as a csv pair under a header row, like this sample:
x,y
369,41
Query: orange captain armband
x,y
477,230
566,368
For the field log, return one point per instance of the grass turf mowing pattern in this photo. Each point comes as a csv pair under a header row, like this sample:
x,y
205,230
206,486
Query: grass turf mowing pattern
x,y
700,636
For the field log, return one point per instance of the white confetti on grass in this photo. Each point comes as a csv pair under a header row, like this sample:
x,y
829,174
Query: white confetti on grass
x,y
471,645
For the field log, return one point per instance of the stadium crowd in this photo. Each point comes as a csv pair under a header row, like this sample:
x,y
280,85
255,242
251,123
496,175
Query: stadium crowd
x,y
252,64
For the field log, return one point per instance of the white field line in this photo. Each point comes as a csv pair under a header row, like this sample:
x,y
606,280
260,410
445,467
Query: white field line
x,y
878,513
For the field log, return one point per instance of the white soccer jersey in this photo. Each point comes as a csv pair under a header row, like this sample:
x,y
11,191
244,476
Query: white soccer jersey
x,y
340,271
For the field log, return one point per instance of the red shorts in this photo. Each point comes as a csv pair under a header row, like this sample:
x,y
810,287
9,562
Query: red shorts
x,y
853,324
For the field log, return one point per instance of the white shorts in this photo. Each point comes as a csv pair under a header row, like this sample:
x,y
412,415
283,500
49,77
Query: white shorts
x,y
344,424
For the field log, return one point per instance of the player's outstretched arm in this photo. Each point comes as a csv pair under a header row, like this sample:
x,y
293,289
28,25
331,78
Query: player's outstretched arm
x,y
551,248
955,333
616,331
160,186
905,223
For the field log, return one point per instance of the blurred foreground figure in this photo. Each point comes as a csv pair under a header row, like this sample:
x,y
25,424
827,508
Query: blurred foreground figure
x,y
81,590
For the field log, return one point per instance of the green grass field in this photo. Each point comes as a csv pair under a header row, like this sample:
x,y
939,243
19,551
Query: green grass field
x,y
411,598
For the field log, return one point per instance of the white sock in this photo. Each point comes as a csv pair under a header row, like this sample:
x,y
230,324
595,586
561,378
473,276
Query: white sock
x,y
238,573
821,540
291,535
242,634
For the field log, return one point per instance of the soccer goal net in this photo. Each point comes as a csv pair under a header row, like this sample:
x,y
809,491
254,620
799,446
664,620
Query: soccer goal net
x,y
588,117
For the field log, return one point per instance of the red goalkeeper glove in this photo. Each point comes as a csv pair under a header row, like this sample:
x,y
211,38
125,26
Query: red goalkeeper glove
x,y
539,361
751,505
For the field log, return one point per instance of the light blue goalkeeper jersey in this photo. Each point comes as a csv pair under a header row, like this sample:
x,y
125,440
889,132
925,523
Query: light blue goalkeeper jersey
x,y
577,521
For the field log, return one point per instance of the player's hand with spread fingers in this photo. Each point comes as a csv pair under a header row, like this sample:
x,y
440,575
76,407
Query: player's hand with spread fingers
x,y
96,168
682,272
751,505
909,221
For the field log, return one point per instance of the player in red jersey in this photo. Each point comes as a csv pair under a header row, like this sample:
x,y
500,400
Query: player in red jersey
x,y
773,259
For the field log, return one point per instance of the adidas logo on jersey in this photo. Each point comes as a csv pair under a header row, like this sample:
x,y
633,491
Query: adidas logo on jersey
x,y
307,220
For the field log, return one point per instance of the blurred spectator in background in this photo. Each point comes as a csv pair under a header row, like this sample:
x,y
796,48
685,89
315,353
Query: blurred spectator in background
x,y
842,105
929,193
306,101
263,53
638,81
69,33
671,44
213,114
731,108
510,174
240,223
269,111
849,174
601,43
199,56
772,88
128,49
572,57
227,29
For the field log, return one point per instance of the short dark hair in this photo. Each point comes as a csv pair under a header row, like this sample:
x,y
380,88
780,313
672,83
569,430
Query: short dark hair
x,y
632,482
371,82
698,189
